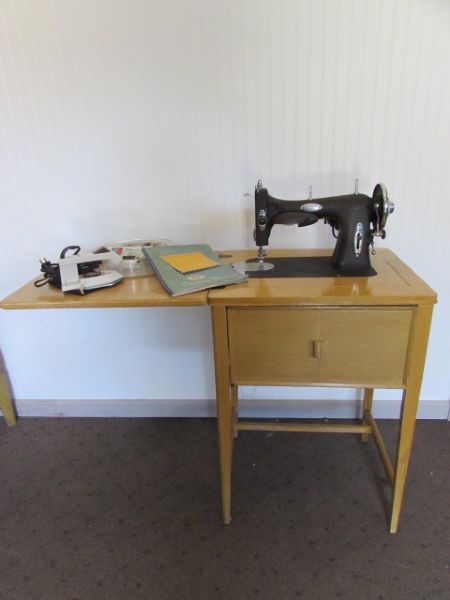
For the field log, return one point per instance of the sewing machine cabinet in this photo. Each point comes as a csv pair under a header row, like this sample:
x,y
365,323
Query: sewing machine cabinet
x,y
367,332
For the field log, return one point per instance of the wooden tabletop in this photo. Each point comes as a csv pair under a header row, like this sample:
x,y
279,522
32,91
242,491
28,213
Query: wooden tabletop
x,y
395,284
140,291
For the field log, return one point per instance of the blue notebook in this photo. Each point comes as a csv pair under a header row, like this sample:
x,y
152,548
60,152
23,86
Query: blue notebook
x,y
177,283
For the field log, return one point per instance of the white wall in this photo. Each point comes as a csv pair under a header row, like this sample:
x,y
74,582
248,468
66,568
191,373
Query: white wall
x,y
152,118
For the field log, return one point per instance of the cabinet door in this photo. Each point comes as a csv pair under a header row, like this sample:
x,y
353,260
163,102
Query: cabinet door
x,y
273,346
365,346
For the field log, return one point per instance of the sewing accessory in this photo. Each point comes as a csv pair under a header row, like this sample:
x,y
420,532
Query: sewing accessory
x,y
133,263
188,262
80,273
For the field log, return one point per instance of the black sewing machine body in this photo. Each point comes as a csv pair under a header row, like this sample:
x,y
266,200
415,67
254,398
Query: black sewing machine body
x,y
355,220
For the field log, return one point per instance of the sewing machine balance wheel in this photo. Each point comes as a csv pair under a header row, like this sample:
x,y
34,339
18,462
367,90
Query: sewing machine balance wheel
x,y
384,206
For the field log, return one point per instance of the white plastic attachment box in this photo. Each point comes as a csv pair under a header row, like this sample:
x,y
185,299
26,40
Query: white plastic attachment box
x,y
133,262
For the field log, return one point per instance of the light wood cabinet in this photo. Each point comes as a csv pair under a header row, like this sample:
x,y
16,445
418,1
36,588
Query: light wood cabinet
x,y
368,332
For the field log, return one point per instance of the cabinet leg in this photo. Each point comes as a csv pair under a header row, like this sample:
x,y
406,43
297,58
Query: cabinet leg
x,y
225,430
6,405
367,405
414,369
235,408
224,407
405,442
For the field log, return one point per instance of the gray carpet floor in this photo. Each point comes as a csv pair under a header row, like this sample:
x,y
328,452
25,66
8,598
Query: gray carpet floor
x,y
94,509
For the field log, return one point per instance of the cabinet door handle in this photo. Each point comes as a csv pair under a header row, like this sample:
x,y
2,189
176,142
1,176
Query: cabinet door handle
x,y
317,348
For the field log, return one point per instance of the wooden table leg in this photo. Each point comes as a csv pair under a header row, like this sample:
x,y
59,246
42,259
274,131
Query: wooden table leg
x,y
6,405
235,408
367,405
224,406
414,370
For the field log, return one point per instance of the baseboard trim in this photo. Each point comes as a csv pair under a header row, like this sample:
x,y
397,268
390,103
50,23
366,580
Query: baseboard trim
x,y
251,408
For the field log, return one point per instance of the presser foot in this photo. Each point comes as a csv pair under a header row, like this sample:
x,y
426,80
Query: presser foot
x,y
245,267
261,265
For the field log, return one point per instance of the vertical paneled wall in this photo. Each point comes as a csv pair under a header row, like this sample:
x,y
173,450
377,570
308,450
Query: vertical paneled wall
x,y
153,118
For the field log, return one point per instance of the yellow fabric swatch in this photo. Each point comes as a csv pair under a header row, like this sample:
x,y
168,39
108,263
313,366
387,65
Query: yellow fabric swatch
x,y
189,261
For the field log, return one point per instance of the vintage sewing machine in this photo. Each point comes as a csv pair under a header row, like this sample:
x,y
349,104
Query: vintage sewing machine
x,y
355,219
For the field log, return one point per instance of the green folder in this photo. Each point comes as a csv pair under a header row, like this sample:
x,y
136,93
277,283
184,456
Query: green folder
x,y
176,283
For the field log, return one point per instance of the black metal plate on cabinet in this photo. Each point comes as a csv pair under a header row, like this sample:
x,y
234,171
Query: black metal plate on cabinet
x,y
304,266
